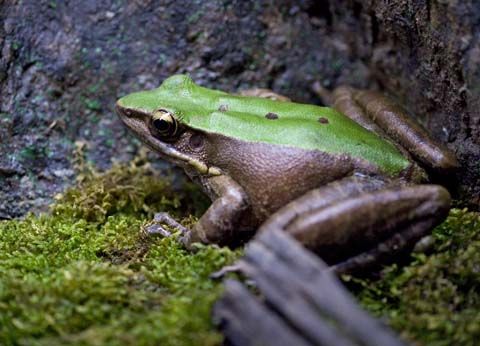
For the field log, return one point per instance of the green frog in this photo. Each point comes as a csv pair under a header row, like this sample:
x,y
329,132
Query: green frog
x,y
346,181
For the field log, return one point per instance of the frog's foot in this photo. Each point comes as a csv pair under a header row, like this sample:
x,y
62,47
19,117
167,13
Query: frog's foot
x,y
160,219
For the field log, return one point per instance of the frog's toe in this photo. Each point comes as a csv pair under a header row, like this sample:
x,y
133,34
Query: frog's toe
x,y
156,228
160,220
233,268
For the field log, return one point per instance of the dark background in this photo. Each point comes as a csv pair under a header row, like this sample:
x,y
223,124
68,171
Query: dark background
x,y
64,63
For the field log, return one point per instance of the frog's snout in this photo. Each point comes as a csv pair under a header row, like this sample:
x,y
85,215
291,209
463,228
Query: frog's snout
x,y
120,109
130,117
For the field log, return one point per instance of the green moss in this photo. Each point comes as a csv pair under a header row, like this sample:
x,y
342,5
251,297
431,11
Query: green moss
x,y
436,299
85,274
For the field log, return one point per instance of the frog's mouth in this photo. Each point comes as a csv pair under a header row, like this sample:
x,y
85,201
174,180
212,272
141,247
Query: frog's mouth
x,y
136,120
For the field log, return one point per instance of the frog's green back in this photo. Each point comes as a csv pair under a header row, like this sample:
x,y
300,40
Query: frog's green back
x,y
244,118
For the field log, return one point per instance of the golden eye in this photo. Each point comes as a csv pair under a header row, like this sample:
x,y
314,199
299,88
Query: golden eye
x,y
164,124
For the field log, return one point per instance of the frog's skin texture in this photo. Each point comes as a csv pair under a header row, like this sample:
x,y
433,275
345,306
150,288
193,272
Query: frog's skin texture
x,y
341,180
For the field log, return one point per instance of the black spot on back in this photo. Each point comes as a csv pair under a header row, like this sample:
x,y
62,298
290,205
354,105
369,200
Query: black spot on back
x,y
323,120
223,108
271,116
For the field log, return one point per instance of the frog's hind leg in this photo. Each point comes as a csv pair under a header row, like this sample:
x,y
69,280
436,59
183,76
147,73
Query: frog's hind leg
x,y
356,229
342,99
380,225
404,130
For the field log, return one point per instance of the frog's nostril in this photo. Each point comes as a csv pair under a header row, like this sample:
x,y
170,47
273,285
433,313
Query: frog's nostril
x,y
119,109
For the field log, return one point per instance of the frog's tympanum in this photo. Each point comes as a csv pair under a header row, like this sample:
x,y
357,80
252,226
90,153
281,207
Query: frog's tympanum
x,y
344,181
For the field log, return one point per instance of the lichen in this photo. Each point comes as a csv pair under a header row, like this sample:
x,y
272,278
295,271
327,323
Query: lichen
x,y
435,300
86,274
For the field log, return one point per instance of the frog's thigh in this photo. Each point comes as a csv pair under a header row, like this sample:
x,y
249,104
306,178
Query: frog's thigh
x,y
401,127
320,198
376,225
217,224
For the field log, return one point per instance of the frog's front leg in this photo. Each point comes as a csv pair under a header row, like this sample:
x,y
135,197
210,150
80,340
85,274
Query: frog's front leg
x,y
359,226
218,223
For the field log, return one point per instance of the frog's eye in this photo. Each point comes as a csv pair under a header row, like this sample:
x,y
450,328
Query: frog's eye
x,y
164,124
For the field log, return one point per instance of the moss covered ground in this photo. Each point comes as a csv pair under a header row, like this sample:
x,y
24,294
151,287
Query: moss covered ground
x,y
435,300
86,274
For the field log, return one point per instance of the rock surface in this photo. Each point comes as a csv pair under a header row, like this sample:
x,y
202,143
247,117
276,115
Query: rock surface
x,y
63,65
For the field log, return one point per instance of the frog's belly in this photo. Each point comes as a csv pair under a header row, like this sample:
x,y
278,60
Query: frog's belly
x,y
275,175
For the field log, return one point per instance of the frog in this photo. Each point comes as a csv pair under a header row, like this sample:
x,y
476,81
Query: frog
x,y
350,180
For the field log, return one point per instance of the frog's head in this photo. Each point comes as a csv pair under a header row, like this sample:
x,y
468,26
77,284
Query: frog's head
x,y
154,118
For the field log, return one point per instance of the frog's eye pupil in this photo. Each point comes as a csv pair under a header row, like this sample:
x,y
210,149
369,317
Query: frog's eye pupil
x,y
161,125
